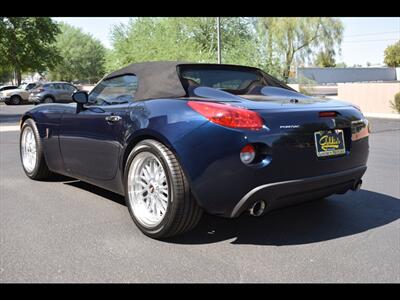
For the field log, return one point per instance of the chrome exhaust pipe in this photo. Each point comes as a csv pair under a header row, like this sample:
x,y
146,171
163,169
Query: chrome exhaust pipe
x,y
257,209
357,185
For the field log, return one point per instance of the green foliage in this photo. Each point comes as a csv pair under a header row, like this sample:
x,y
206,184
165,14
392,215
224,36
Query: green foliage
x,y
392,55
27,43
325,59
182,38
306,85
396,103
292,40
6,74
341,65
82,56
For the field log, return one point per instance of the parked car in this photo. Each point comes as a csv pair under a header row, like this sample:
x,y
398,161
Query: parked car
x,y
177,139
52,92
7,87
19,95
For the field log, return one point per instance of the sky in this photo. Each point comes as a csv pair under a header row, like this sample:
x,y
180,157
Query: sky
x,y
364,38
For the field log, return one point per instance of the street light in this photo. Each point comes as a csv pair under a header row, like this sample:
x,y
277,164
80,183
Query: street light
x,y
219,39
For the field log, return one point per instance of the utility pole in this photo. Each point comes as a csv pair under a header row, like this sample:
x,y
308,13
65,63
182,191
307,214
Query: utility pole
x,y
219,39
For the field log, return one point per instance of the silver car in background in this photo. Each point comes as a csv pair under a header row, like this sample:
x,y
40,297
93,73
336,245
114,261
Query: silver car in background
x,y
19,95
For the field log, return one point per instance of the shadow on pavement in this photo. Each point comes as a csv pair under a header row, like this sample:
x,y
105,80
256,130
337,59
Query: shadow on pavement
x,y
97,190
317,221
9,118
13,113
334,217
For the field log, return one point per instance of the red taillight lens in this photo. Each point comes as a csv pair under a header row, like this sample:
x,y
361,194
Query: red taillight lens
x,y
37,90
323,114
227,115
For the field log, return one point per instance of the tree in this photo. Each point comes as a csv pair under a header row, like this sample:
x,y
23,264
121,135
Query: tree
x,y
6,74
27,44
325,59
392,55
82,56
147,39
190,39
289,40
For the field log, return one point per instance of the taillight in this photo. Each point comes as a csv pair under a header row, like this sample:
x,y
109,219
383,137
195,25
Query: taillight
x,y
37,90
227,115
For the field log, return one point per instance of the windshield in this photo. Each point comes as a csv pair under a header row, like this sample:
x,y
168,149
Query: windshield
x,y
27,86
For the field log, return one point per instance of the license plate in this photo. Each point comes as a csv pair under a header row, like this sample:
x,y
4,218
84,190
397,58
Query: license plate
x,y
329,143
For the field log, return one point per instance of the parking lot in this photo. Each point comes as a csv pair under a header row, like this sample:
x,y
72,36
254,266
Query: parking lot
x,y
69,231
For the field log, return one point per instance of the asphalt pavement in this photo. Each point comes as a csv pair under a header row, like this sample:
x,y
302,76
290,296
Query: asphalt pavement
x,y
69,231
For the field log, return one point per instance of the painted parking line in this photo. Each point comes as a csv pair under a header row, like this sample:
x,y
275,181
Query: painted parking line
x,y
9,128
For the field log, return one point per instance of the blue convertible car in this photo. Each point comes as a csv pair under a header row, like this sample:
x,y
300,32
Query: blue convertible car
x,y
177,139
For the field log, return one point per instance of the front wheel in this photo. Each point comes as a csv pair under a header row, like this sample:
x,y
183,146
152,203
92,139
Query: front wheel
x,y
31,152
15,100
157,193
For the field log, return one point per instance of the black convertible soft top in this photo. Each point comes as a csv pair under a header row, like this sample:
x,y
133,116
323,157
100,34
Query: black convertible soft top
x,y
160,79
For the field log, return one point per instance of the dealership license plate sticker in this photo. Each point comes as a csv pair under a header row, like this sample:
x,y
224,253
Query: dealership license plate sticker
x,y
329,143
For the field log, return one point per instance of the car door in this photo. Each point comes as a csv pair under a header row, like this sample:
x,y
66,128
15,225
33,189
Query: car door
x,y
68,90
29,87
91,139
55,90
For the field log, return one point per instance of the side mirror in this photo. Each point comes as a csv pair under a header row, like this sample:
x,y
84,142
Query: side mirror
x,y
80,97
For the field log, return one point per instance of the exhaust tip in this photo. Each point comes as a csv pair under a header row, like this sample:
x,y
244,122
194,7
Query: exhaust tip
x,y
257,209
357,185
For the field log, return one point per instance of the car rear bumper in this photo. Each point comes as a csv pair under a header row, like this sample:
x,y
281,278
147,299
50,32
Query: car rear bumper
x,y
285,193
35,99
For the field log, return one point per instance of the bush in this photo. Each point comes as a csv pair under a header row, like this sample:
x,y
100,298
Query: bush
x,y
396,103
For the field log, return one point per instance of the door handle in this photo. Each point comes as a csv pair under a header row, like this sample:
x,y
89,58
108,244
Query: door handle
x,y
113,119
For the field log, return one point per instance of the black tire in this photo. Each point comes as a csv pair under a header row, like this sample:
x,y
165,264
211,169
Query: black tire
x,y
182,213
15,100
40,171
48,100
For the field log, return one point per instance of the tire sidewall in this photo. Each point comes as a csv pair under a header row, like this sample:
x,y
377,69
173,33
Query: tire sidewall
x,y
50,100
166,222
19,100
31,124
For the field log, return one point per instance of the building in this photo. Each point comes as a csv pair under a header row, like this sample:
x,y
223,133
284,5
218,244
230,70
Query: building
x,y
342,75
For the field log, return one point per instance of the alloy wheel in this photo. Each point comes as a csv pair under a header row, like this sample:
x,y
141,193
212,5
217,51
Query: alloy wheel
x,y
148,190
28,149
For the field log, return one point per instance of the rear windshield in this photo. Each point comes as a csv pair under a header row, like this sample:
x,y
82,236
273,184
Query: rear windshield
x,y
236,80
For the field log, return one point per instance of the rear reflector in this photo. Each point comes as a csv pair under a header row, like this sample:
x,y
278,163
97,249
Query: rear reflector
x,y
247,154
327,114
226,115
